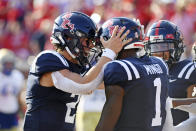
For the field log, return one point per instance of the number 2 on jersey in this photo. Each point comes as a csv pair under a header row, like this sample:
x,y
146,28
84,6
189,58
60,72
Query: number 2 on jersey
x,y
156,121
72,105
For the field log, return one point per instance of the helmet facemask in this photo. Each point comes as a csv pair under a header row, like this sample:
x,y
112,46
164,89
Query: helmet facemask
x,y
168,49
75,47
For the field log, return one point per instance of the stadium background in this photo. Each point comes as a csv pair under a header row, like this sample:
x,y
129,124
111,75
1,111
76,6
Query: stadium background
x,y
25,28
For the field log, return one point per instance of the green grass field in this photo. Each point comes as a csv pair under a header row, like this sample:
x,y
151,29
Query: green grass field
x,y
87,121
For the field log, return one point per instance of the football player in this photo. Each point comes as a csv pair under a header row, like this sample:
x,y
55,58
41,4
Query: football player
x,y
135,85
164,39
54,80
11,83
188,105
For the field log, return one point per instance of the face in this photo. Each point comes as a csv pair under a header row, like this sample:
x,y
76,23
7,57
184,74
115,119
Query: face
x,y
164,55
161,50
88,44
7,68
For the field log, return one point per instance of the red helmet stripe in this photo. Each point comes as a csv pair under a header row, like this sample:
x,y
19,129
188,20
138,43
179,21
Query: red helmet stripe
x,y
139,45
157,28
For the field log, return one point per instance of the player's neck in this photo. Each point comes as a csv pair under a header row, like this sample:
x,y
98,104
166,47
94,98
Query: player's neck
x,y
127,53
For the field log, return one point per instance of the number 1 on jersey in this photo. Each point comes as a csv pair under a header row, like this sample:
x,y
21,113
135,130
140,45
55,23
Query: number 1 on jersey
x,y
156,121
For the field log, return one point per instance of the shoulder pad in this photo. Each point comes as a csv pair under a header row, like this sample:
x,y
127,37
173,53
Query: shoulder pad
x,y
188,71
48,61
119,71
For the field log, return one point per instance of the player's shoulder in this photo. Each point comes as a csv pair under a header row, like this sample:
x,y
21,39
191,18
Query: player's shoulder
x,y
50,55
47,61
187,69
185,63
119,71
114,67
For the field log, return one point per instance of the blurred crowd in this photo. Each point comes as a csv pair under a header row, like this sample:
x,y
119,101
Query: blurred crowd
x,y
25,25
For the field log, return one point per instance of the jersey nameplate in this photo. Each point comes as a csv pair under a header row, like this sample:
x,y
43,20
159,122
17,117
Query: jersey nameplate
x,y
153,69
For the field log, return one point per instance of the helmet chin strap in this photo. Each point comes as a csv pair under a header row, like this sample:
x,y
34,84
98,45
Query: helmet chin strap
x,y
170,61
69,52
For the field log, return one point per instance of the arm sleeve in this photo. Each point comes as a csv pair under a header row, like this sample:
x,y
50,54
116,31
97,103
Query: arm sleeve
x,y
70,86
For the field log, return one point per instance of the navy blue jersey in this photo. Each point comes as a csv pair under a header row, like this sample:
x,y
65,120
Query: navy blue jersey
x,y
182,75
49,109
145,82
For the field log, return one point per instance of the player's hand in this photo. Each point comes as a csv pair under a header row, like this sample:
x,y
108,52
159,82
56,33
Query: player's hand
x,y
117,40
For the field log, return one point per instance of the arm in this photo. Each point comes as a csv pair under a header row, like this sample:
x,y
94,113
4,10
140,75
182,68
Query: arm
x,y
112,108
191,91
81,85
182,101
185,104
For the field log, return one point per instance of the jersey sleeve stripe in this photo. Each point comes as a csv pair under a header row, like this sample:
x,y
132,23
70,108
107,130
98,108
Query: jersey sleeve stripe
x,y
190,71
126,69
183,70
134,69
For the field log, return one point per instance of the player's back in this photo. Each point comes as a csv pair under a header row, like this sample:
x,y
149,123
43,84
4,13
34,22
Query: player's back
x,y
145,83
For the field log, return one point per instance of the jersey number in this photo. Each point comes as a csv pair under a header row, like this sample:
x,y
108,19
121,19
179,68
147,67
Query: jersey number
x,y
156,121
72,105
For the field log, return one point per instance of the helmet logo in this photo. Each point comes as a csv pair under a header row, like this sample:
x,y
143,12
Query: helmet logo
x,y
108,23
66,24
111,28
169,36
146,39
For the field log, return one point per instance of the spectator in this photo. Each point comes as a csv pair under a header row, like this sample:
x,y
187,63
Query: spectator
x,y
11,84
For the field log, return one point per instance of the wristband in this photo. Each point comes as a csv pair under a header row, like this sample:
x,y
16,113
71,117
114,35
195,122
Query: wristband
x,y
109,53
